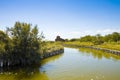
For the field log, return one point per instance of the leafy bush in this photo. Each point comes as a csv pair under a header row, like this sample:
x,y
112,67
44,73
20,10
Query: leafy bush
x,y
21,44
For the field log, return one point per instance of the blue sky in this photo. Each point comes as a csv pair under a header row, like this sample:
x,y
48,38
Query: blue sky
x,y
67,18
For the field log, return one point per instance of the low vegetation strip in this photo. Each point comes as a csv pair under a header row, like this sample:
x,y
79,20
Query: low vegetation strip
x,y
52,53
116,52
108,43
51,49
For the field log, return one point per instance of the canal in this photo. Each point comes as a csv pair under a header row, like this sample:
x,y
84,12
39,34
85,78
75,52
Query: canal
x,y
73,64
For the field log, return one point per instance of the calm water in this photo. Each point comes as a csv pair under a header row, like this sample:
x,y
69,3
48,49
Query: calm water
x,y
73,64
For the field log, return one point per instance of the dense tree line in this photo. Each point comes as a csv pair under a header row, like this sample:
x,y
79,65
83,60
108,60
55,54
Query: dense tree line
x,y
20,45
98,39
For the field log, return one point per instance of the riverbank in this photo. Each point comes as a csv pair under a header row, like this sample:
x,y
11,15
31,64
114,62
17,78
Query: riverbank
x,y
95,47
52,53
51,49
12,60
7,63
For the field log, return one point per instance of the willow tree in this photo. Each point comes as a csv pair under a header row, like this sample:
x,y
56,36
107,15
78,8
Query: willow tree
x,y
5,43
5,48
2,42
26,44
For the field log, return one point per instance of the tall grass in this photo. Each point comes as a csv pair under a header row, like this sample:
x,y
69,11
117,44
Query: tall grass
x,y
52,46
77,43
107,45
110,45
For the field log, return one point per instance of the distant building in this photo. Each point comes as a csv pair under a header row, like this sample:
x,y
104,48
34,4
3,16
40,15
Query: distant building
x,y
59,39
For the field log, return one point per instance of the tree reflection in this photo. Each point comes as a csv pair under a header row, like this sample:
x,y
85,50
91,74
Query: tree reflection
x,y
24,73
99,54
53,58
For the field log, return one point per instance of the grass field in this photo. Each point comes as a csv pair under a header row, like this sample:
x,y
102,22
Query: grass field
x,y
107,45
52,46
110,45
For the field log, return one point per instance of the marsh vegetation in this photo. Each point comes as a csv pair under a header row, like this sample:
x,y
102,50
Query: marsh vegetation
x,y
23,45
109,41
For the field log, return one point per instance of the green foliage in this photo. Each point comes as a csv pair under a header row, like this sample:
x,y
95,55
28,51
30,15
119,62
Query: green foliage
x,y
98,39
52,46
78,43
5,44
114,37
110,45
110,41
87,38
98,42
22,43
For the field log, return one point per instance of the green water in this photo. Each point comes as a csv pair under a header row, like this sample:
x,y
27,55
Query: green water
x,y
73,64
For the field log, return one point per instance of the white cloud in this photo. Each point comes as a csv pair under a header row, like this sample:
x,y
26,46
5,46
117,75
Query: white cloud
x,y
107,31
78,34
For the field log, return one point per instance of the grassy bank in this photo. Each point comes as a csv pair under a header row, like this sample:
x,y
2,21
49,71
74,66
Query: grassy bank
x,y
78,43
110,45
106,45
98,54
51,46
51,49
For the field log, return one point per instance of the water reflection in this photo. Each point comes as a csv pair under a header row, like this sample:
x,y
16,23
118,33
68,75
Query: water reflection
x,y
85,64
24,73
51,59
99,54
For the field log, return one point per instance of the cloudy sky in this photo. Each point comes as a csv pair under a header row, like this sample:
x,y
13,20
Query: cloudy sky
x,y
67,18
